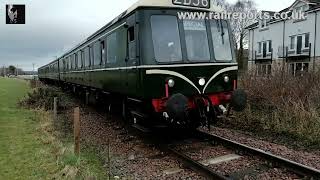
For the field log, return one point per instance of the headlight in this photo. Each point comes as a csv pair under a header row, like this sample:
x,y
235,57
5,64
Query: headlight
x,y
226,79
202,81
171,83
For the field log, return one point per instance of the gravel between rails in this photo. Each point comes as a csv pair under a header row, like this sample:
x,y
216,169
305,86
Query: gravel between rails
x,y
254,166
303,157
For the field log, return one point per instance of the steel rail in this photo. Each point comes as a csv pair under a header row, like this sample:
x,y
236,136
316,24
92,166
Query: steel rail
x,y
195,165
282,162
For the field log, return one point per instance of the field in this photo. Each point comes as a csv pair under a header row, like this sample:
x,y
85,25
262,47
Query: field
x,y
28,150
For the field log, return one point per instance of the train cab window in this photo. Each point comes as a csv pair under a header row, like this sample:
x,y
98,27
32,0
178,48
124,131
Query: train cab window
x,y
221,40
131,43
102,52
196,40
166,38
112,48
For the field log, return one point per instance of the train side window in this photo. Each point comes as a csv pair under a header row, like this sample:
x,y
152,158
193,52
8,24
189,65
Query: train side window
x,y
96,54
70,61
79,59
131,43
76,60
102,52
112,48
91,56
87,57
82,59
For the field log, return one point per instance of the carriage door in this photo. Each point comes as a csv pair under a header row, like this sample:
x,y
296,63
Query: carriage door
x,y
131,59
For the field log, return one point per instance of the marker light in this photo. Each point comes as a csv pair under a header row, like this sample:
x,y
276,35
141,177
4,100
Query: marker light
x,y
202,82
226,79
171,83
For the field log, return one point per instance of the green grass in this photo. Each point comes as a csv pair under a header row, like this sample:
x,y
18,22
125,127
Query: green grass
x,y
22,155
28,148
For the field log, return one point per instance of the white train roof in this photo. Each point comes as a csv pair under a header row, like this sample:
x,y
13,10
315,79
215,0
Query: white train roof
x,y
148,3
169,3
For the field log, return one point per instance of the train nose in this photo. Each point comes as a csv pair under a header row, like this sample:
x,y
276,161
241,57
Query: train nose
x,y
177,106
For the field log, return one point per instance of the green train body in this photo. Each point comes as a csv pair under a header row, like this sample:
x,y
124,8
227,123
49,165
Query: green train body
x,y
144,56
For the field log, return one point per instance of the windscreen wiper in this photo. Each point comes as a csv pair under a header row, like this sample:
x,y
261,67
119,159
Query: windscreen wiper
x,y
222,31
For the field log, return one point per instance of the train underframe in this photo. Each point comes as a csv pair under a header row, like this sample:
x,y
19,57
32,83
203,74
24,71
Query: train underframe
x,y
175,111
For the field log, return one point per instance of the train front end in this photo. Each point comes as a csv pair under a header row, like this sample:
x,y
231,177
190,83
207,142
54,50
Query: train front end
x,y
190,70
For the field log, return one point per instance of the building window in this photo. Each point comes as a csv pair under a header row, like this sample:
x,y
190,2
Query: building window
x,y
270,45
264,69
298,69
259,47
292,42
307,40
263,23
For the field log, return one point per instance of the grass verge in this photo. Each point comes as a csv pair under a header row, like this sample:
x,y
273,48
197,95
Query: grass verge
x,y
29,148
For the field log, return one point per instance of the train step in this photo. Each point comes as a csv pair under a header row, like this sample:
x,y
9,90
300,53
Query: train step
x,y
137,114
141,128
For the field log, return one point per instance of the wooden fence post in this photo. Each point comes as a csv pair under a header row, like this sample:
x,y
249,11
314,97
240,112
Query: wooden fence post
x,y
76,127
55,111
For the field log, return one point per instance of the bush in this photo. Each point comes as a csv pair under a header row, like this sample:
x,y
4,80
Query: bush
x,y
43,96
282,104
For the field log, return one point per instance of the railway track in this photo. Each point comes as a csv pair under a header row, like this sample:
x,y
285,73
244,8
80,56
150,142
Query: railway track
x,y
299,170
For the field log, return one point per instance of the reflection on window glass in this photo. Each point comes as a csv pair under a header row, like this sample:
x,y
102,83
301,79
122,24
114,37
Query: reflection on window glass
x,y
166,39
221,40
196,40
112,48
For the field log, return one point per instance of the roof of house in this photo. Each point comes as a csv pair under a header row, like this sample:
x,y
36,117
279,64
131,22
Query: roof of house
x,y
316,5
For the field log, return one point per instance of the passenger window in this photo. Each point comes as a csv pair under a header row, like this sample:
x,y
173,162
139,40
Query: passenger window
x,y
91,56
70,62
96,54
112,48
82,58
102,52
76,61
87,57
79,60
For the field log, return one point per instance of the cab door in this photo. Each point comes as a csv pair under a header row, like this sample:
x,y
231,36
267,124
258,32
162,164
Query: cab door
x,y
132,55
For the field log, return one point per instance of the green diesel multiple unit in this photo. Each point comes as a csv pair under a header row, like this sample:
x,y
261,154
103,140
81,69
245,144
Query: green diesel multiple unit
x,y
180,70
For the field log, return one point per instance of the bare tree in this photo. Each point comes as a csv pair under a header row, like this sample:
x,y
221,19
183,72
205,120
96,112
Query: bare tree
x,y
238,25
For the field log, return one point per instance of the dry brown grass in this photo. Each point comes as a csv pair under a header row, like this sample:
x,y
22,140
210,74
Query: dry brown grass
x,y
283,104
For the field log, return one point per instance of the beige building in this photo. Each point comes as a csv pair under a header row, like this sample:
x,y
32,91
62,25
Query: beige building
x,y
289,44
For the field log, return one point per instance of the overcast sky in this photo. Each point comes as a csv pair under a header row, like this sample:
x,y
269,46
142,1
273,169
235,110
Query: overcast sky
x,y
55,26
